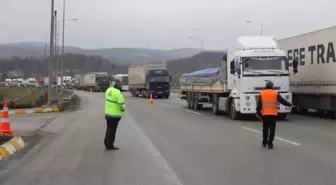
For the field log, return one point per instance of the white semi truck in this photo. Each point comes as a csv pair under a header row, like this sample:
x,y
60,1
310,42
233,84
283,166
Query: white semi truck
x,y
314,84
95,81
124,80
234,87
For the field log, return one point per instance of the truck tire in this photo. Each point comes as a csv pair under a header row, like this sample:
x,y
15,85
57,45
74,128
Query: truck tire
x,y
300,110
282,116
144,94
133,93
215,105
233,113
192,99
196,105
188,100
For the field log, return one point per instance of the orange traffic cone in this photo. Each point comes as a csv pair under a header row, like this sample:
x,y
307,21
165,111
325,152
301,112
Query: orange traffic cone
x,y
4,123
151,101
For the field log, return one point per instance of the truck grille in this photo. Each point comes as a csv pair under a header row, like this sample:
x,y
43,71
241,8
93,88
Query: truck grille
x,y
262,88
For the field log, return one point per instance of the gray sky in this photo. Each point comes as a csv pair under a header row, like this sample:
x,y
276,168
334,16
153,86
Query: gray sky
x,y
163,24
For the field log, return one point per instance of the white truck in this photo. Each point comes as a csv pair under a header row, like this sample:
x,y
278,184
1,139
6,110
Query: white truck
x,y
66,80
124,80
149,78
96,81
234,87
314,84
77,81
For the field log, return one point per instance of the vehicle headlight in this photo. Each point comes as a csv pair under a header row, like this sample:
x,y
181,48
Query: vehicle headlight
x,y
287,97
247,98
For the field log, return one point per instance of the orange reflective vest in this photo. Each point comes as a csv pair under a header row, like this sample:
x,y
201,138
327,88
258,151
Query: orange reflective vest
x,y
269,101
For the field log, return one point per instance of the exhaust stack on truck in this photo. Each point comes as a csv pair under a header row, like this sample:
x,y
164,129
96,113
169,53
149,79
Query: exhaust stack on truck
x,y
234,87
149,78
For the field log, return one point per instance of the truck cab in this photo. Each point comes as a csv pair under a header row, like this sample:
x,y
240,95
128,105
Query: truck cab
x,y
158,82
253,62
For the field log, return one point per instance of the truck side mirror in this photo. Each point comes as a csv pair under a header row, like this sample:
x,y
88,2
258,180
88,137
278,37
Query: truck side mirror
x,y
232,67
295,65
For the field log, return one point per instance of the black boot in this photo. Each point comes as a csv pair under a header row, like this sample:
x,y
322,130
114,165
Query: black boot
x,y
270,146
264,144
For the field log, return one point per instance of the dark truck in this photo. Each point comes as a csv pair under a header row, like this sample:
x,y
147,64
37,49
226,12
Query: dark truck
x,y
149,78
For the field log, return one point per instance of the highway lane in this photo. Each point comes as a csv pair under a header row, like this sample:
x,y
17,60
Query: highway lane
x,y
166,144
229,154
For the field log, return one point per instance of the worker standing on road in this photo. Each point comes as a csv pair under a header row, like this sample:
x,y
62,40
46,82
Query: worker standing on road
x,y
114,109
267,107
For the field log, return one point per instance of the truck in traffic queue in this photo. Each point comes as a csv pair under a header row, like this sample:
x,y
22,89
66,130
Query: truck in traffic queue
x,y
314,84
149,78
235,86
123,78
76,81
95,81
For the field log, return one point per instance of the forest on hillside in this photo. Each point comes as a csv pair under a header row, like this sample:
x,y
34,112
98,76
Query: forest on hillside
x,y
16,67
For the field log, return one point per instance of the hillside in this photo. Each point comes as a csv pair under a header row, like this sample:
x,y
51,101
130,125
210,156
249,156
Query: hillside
x,y
38,67
115,55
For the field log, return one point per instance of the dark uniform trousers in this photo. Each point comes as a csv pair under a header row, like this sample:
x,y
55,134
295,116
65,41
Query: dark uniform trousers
x,y
269,124
111,129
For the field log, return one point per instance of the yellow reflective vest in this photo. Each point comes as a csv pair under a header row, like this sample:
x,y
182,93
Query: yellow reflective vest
x,y
114,102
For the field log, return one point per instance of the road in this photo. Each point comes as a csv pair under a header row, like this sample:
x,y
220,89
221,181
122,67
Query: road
x,y
165,144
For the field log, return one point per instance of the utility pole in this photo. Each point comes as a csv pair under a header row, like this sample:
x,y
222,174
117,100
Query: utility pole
x,y
55,56
201,42
62,60
51,53
258,24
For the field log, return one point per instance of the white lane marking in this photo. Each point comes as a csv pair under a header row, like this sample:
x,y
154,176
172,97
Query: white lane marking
x,y
193,112
278,138
170,176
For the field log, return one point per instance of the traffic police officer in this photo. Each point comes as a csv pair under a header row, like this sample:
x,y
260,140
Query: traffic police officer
x,y
267,107
114,109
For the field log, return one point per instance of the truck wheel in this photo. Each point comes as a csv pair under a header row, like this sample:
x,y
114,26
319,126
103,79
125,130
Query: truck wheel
x,y
301,110
282,116
133,93
233,113
196,105
215,106
188,99
144,94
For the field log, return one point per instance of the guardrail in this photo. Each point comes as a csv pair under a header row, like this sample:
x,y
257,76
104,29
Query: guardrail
x,y
64,102
69,98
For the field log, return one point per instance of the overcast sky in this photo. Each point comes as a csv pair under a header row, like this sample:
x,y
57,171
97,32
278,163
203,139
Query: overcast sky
x,y
163,24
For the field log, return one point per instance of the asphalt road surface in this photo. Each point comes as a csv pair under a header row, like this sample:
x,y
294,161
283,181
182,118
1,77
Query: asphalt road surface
x,y
166,144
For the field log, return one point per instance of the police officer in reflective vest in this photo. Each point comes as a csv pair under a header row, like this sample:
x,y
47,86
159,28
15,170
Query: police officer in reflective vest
x,y
267,107
114,109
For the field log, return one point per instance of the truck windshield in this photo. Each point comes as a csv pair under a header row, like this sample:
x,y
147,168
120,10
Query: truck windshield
x,y
159,78
265,64
125,80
